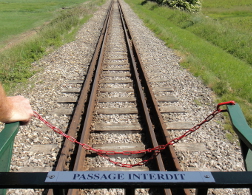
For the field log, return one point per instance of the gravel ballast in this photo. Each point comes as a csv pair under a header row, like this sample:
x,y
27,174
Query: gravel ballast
x,y
70,62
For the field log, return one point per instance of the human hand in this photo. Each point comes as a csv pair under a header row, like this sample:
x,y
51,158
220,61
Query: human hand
x,y
20,110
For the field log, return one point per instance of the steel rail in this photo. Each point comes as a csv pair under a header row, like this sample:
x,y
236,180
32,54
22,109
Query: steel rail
x,y
143,103
173,163
91,104
92,101
80,106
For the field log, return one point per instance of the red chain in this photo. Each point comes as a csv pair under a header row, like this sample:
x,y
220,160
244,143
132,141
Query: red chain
x,y
156,150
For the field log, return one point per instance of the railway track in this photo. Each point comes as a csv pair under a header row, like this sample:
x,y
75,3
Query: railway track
x,y
117,103
117,119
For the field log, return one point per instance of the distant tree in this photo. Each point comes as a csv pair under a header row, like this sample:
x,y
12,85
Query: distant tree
x,y
186,5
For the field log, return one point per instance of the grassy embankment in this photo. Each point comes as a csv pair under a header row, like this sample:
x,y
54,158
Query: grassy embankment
x,y
56,22
215,44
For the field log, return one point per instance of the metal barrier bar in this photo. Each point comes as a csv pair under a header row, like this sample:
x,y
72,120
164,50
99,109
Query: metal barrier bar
x,y
7,136
162,179
244,133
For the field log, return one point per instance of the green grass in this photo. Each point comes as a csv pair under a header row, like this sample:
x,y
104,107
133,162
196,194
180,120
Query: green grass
x,y
225,4
234,25
221,33
18,16
206,45
16,62
233,14
228,9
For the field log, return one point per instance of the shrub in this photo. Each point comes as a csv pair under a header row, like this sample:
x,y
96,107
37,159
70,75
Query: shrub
x,y
186,5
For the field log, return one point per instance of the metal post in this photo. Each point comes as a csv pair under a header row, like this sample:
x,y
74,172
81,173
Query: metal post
x,y
130,191
59,191
201,191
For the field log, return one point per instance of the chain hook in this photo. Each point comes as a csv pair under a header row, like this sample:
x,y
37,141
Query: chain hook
x,y
224,103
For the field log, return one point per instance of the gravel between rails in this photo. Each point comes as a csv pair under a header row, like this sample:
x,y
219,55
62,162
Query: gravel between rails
x,y
71,61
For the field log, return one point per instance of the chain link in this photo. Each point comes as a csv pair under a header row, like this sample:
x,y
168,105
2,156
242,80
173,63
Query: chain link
x,y
156,150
